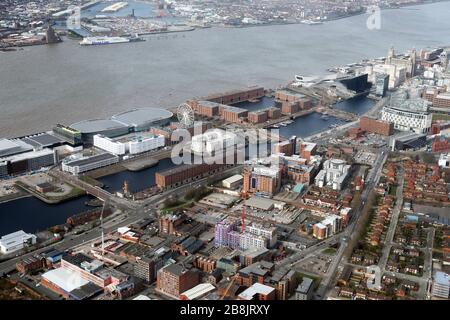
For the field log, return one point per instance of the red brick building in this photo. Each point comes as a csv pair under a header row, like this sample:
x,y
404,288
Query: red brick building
x,y
174,279
205,108
168,223
290,107
307,149
186,173
261,179
274,113
236,96
258,116
232,114
440,145
205,264
376,126
287,147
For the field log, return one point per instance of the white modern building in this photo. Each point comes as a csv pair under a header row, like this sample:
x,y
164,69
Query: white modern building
x,y
135,145
444,160
82,164
254,290
213,141
397,75
144,144
233,181
331,225
228,233
408,114
333,174
16,241
110,145
441,285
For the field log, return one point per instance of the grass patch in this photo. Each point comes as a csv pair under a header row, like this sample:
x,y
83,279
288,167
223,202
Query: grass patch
x,y
393,190
329,251
176,206
441,116
91,181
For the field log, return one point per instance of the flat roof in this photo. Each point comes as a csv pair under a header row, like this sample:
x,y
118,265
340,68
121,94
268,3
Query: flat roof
x,y
234,109
208,104
305,286
198,291
29,155
15,238
298,95
10,147
256,288
235,178
175,269
65,279
142,116
260,268
42,140
97,125
141,297
87,160
442,278
230,92
260,203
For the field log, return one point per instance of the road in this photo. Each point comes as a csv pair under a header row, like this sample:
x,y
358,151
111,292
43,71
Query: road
x,y
343,237
393,224
71,241
372,179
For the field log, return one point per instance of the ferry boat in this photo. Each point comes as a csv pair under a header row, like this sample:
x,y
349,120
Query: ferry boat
x,y
311,22
90,41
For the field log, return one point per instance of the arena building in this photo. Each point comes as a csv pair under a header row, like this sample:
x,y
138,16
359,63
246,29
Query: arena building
x,y
123,123
143,119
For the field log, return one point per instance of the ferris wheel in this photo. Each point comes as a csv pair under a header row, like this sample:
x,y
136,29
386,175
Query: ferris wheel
x,y
185,115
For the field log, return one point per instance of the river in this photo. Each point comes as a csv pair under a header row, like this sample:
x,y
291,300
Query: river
x,y
44,85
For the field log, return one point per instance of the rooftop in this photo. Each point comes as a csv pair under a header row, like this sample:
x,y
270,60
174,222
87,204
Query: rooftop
x,y
256,288
261,203
10,147
97,125
232,179
15,238
259,268
42,140
305,286
442,278
142,116
175,269
65,279
198,291
87,160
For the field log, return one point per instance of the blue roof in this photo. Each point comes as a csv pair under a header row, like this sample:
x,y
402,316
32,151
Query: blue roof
x,y
442,278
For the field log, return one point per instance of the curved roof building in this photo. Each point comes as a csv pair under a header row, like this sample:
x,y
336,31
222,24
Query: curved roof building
x,y
143,118
123,123
107,127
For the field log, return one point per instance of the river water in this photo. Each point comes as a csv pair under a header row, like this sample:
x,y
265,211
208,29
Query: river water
x,y
44,85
